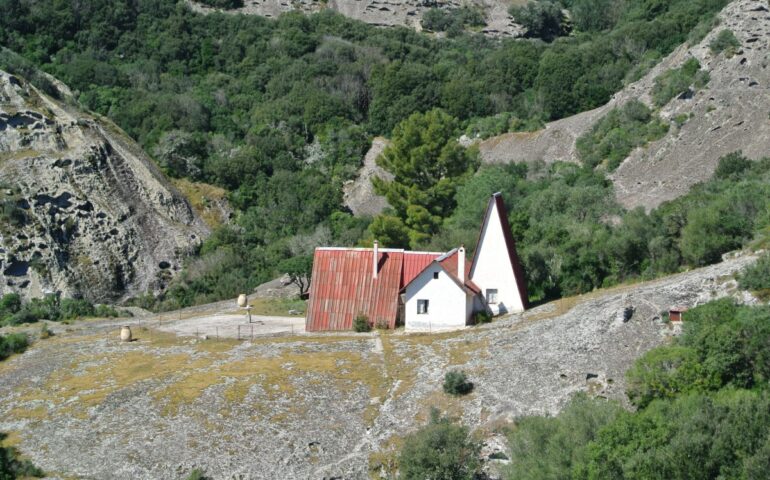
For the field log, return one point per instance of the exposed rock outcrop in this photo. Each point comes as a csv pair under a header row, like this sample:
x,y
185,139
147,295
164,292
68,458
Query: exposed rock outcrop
x,y
91,214
730,113
359,194
386,13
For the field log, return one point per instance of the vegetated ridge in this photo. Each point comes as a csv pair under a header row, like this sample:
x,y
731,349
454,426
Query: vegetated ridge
x,y
87,212
729,113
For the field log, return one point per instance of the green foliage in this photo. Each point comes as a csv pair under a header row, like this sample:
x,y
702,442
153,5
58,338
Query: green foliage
x,y
197,474
703,411
12,343
596,15
12,467
693,436
481,317
722,346
678,81
757,275
732,165
544,447
50,307
572,237
361,324
299,270
724,41
428,165
226,4
542,19
452,20
456,383
439,450
616,134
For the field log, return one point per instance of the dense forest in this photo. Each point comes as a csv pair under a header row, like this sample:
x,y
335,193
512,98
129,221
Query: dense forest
x,y
279,113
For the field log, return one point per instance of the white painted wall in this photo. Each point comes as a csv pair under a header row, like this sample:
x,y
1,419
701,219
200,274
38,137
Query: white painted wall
x,y
492,267
449,305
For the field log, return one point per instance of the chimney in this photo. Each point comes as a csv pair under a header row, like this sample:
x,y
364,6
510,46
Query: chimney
x,y
461,263
375,259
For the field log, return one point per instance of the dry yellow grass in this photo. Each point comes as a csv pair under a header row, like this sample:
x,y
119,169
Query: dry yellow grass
x,y
203,198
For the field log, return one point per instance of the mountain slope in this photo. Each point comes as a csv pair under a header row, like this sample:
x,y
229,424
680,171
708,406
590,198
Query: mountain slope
x,y
730,113
87,212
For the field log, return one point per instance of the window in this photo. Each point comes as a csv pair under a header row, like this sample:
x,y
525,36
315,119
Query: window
x,y
435,275
491,295
422,307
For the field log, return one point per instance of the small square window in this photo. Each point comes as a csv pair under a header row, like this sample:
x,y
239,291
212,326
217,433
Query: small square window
x,y
491,295
422,307
435,275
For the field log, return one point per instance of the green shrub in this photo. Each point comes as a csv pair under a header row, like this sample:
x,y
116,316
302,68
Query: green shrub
x,y
677,81
724,41
556,447
542,19
482,317
452,20
361,323
197,474
11,466
616,134
456,383
45,332
440,450
12,343
225,4
732,165
756,276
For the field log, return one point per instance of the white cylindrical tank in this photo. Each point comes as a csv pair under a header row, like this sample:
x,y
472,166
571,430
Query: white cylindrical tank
x,y
125,333
242,300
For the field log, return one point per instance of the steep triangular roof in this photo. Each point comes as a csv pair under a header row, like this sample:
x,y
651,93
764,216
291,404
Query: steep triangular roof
x,y
496,200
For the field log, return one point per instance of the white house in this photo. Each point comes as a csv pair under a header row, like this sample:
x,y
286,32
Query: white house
x,y
421,290
440,298
443,296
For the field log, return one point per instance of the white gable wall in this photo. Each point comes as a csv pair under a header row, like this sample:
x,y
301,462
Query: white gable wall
x,y
492,267
449,306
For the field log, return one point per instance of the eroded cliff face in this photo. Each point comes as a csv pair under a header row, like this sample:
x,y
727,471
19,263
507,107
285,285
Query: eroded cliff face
x,y
385,13
85,211
728,114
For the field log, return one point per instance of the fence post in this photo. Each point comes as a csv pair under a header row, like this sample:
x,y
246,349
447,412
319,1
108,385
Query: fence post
x,y
239,332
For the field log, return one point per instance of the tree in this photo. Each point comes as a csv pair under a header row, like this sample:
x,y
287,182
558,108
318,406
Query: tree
x,y
299,270
440,450
428,164
541,19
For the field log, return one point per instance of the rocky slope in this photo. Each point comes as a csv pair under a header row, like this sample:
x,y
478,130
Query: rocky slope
x,y
87,212
359,194
730,113
320,406
386,13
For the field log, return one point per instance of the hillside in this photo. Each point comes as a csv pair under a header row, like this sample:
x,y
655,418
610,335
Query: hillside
x,y
729,113
88,214
385,13
320,406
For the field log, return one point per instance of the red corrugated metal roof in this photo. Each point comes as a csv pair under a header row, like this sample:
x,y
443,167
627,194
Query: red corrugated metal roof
x,y
448,262
415,263
343,286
